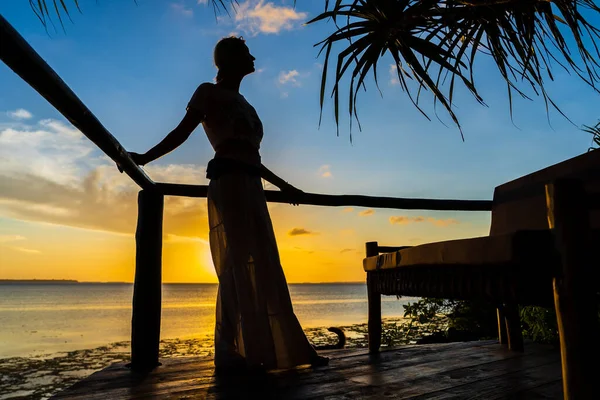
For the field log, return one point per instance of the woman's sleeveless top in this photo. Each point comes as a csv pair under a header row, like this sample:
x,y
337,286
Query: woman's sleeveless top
x,y
227,116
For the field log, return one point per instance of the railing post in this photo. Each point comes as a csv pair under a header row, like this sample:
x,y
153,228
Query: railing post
x,y
374,301
145,323
574,289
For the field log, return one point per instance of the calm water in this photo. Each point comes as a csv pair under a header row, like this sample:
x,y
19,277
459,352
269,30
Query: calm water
x,y
43,319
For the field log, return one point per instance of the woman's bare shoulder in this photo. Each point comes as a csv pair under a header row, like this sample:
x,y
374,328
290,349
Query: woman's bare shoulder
x,y
205,89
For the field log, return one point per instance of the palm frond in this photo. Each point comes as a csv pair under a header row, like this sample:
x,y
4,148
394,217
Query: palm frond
x,y
45,10
595,132
433,40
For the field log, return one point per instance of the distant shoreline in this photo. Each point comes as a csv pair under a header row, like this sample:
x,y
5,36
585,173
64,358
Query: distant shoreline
x,y
75,282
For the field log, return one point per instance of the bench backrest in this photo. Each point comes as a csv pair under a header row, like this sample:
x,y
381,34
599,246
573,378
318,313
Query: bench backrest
x,y
521,204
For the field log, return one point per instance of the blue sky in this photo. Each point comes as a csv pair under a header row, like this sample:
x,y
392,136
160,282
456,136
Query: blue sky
x,y
136,66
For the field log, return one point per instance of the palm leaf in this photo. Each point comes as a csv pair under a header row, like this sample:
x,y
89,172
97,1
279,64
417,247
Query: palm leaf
x,y
595,132
429,42
46,9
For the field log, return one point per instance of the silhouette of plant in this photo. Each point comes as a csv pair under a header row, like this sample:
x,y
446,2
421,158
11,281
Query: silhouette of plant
x,y
434,44
433,40
595,132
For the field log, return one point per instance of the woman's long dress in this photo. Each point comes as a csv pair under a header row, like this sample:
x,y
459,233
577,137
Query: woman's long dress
x,y
255,322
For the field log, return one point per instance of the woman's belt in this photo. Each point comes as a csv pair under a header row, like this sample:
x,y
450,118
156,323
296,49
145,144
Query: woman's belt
x,y
219,166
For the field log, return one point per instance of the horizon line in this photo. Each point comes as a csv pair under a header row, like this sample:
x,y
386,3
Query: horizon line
x,y
75,281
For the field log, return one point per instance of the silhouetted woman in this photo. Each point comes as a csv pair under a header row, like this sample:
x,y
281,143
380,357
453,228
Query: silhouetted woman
x,y
255,324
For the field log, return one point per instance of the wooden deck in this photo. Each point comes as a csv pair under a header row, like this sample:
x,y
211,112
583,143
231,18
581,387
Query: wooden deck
x,y
442,371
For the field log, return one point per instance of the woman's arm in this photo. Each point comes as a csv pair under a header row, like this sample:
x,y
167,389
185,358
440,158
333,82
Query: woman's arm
x,y
196,111
174,139
270,177
294,193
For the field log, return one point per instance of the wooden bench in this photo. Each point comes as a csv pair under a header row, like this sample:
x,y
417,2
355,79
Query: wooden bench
x,y
540,251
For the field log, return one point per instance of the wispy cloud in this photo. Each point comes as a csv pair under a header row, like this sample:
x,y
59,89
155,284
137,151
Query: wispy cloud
x,y
394,75
367,213
10,238
4,239
25,250
346,250
181,9
325,171
50,173
20,113
348,210
301,232
257,16
289,78
403,220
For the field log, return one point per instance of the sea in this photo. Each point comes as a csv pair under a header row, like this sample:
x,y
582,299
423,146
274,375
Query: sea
x,y
44,319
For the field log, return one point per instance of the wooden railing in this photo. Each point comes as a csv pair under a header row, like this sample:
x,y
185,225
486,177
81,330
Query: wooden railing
x,y
18,55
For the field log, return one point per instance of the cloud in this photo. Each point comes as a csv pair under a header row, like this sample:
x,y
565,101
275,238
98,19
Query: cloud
x,y
346,250
394,75
348,210
325,171
301,232
51,173
10,238
20,113
289,77
403,220
180,9
367,213
25,250
15,238
255,17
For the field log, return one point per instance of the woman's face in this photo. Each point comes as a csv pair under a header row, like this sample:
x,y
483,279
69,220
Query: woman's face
x,y
246,61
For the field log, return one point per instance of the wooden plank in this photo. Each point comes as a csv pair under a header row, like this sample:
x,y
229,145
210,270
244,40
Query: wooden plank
x,y
338,381
521,204
118,373
316,199
166,380
447,382
147,288
549,391
486,251
574,289
342,375
19,56
119,377
503,386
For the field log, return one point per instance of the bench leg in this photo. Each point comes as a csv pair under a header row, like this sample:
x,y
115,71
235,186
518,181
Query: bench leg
x,y
502,332
513,327
374,298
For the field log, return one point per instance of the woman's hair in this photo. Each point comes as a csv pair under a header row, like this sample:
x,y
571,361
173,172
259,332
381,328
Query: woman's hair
x,y
225,54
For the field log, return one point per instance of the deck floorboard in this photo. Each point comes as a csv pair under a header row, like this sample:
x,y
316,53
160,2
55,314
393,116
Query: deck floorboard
x,y
468,370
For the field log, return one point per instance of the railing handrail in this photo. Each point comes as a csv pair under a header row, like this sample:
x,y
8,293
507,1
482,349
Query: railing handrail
x,y
317,199
27,63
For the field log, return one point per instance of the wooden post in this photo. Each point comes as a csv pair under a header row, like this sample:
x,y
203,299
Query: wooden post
x,y
502,333
374,299
513,327
574,295
145,324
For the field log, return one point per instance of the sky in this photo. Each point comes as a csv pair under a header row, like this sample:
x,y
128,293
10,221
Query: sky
x,y
67,213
